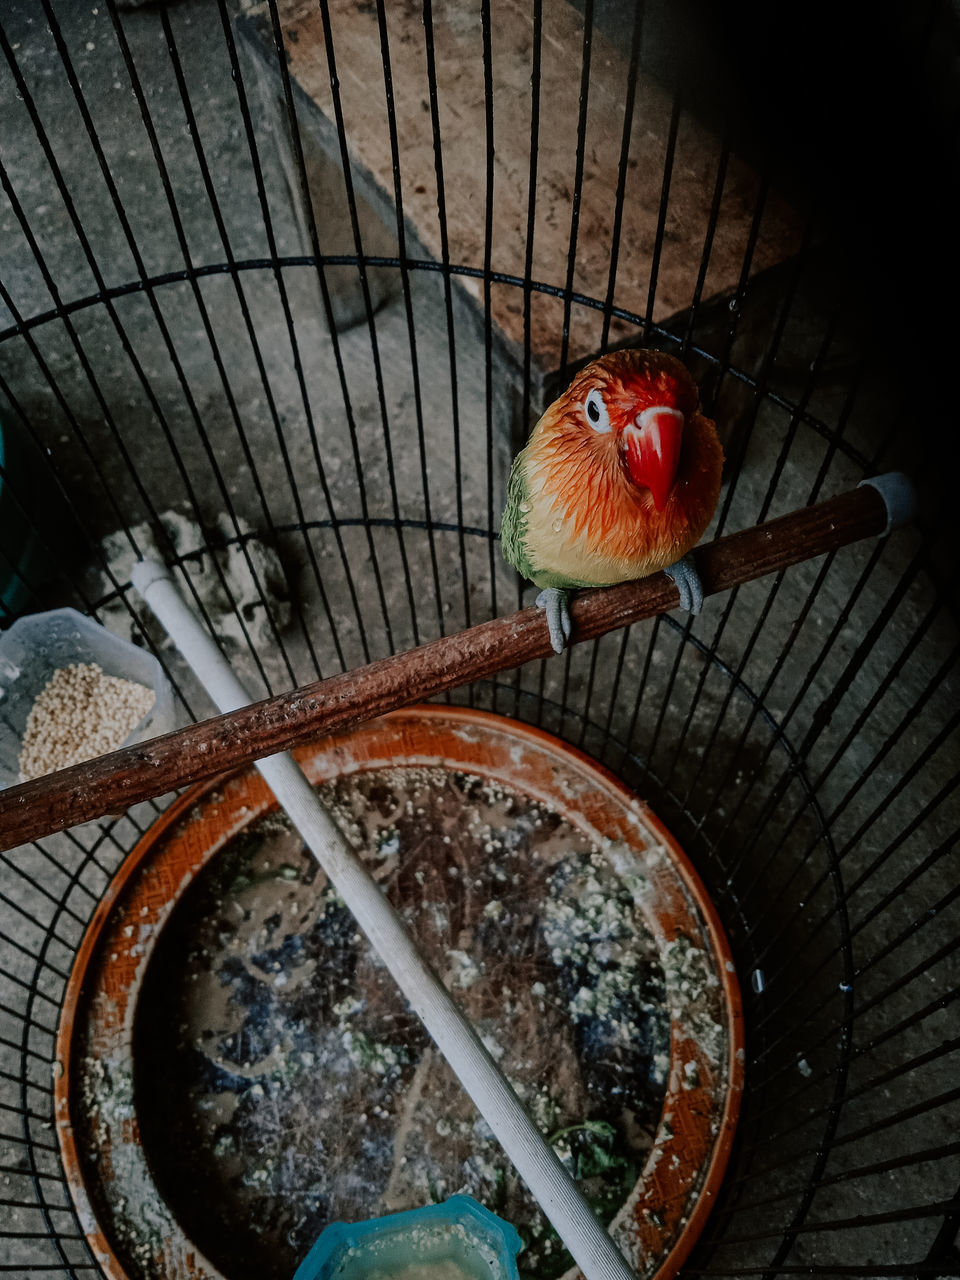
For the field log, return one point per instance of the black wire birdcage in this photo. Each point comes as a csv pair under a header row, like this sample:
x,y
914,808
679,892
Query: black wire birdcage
x,y
285,284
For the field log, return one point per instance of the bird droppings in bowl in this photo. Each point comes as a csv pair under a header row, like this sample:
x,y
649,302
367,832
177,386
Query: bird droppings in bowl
x,y
80,713
281,1076
281,1083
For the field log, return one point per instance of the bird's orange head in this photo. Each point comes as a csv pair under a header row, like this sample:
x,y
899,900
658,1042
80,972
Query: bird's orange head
x,y
631,408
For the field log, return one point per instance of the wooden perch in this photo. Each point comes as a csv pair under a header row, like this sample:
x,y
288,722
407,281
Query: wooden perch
x,y
112,783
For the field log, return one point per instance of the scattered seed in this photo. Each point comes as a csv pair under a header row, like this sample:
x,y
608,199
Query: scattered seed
x,y
79,714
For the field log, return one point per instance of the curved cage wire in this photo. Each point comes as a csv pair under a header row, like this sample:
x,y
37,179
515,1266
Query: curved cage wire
x,y
283,287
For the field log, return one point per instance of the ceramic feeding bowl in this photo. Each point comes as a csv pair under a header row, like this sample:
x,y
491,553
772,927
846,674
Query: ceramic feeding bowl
x,y
240,1071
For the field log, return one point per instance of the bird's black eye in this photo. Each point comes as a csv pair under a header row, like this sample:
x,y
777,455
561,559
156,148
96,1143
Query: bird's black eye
x,y
596,412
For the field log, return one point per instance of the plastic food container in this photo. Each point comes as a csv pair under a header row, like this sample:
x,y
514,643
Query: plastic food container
x,y
37,645
453,1239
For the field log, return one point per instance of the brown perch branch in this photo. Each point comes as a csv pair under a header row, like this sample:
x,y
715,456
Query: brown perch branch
x,y
112,783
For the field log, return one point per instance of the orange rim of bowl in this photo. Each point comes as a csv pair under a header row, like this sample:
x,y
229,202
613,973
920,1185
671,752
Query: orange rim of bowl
x,y
667,1211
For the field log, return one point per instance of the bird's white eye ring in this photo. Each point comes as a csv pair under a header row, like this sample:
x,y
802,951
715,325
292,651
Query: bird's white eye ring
x,y
595,412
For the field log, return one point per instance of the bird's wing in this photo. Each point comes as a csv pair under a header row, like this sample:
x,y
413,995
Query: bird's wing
x,y
513,526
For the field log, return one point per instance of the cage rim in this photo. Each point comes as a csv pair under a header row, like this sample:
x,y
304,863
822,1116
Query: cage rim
x,y
236,267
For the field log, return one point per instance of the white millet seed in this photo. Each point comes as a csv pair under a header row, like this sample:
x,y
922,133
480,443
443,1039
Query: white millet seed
x,y
80,713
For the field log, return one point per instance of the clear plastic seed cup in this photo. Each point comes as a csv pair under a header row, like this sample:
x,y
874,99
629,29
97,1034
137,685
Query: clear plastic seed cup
x,y
41,643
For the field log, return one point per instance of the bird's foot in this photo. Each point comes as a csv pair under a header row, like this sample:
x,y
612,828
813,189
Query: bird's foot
x,y
553,601
687,581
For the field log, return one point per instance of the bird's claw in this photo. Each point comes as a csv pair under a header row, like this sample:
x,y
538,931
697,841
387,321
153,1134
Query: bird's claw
x,y
687,581
553,601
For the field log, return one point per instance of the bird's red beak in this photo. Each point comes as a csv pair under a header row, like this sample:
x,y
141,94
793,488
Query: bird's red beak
x,y
652,446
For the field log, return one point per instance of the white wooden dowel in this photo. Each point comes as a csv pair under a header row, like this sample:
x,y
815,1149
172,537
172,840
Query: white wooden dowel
x,y
538,1165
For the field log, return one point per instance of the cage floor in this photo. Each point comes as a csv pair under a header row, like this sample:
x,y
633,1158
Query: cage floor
x,y
242,1070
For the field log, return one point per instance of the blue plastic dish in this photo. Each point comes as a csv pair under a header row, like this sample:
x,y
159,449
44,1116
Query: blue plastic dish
x,y
458,1231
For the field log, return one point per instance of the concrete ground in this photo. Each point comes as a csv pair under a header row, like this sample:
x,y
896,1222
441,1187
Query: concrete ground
x,y
226,414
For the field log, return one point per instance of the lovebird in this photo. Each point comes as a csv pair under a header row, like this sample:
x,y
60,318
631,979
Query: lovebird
x,y
618,480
